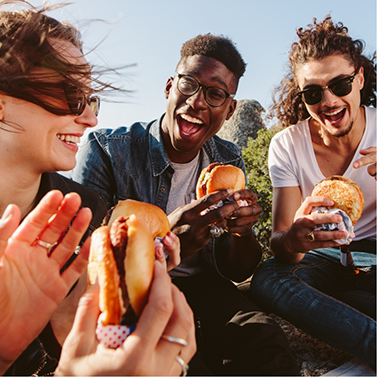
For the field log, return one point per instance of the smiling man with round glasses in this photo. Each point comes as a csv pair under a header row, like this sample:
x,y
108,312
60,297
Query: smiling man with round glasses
x,y
327,105
163,162
213,95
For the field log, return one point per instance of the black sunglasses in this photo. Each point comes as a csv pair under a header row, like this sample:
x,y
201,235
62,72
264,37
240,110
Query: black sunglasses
x,y
339,88
77,101
213,95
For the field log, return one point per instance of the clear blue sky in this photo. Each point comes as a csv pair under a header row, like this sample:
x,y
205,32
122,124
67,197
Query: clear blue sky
x,y
149,33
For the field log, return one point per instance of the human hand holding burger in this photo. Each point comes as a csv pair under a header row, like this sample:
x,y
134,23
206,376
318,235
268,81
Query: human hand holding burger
x,y
219,176
121,257
194,222
311,231
146,351
143,324
167,245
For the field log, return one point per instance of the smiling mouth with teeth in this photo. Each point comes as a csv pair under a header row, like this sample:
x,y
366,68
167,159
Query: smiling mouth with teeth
x,y
190,125
335,116
69,139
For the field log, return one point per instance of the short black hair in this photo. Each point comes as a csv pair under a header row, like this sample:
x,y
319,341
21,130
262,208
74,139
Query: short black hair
x,y
217,47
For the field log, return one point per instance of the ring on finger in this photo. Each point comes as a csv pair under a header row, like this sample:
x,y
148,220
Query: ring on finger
x,y
311,236
184,366
48,246
215,231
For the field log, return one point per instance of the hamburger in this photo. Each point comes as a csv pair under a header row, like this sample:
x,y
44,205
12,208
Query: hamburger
x,y
153,217
217,176
122,259
345,193
122,255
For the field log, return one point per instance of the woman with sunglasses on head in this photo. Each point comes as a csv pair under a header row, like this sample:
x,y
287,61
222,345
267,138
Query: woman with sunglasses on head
x,y
47,101
327,105
45,89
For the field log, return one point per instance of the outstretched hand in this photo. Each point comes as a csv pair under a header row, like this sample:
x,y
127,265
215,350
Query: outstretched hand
x,y
31,285
369,159
192,224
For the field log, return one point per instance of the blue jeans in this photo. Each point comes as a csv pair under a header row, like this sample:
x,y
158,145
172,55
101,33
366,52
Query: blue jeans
x,y
318,297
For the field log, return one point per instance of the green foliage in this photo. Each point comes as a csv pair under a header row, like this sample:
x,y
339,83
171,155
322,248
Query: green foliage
x,y
255,156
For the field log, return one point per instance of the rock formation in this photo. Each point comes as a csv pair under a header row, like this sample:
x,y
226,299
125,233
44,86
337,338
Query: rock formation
x,y
245,122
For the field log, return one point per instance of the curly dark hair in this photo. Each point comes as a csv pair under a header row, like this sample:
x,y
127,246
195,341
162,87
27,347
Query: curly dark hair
x,y
27,39
217,47
318,41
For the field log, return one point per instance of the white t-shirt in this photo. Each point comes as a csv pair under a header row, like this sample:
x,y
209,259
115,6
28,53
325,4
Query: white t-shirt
x,y
182,192
292,163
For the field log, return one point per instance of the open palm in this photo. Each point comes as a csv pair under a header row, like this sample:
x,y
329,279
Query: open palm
x,y
31,285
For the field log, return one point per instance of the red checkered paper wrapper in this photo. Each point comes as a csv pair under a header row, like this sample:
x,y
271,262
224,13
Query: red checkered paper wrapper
x,y
113,336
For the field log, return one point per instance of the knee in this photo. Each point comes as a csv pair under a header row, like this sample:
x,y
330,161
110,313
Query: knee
x,y
269,282
264,278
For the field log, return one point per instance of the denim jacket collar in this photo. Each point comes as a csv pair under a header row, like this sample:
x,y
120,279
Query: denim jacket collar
x,y
159,158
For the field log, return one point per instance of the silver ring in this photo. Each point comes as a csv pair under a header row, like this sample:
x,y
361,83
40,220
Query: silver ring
x,y
172,339
215,231
310,236
184,366
50,247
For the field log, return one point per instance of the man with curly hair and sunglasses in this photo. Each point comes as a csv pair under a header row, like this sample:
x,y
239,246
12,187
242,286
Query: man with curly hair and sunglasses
x,y
326,104
160,162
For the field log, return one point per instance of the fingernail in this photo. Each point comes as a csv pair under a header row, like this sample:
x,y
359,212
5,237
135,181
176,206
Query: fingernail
x,y
168,240
230,191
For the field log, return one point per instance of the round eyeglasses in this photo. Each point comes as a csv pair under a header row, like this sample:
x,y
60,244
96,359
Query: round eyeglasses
x,y
339,88
77,101
214,96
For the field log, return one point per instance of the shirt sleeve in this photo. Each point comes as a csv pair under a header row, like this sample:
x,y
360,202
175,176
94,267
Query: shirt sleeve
x,y
281,163
94,170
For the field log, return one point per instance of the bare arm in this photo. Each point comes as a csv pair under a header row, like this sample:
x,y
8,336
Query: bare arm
x,y
292,222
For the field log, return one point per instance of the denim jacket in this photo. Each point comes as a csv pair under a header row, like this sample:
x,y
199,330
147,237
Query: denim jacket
x,y
131,163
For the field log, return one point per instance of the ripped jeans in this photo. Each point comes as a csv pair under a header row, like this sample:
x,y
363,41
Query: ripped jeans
x,y
319,298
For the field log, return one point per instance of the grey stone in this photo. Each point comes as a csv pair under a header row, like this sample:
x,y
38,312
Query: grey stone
x,y
244,123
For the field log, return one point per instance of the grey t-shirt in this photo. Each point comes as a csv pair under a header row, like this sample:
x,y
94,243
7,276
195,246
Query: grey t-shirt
x,y
182,192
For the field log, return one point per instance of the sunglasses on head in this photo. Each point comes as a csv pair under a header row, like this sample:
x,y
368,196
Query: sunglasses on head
x,y
77,101
339,88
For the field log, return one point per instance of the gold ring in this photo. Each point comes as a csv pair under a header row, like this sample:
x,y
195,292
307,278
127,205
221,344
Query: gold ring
x,y
50,247
310,236
184,366
175,340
